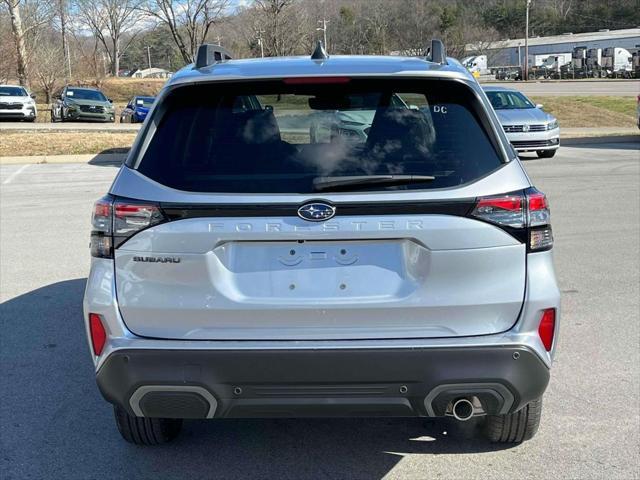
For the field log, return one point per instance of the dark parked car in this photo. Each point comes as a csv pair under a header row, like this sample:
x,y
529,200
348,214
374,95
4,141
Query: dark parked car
x,y
137,109
81,104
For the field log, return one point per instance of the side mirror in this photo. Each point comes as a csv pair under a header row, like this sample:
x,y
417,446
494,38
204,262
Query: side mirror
x,y
33,95
539,105
110,101
268,108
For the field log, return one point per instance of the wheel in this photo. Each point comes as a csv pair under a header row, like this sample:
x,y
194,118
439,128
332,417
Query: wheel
x,y
546,153
146,431
515,427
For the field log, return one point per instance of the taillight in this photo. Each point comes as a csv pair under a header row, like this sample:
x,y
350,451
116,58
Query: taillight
x,y
547,328
101,232
128,218
524,214
539,221
115,221
506,210
98,333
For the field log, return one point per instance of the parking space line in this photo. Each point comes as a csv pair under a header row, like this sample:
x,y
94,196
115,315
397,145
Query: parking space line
x,y
11,177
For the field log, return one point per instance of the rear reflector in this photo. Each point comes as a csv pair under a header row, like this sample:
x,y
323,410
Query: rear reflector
x,y
98,333
547,328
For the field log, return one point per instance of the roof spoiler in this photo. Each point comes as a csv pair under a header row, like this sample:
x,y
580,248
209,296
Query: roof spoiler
x,y
209,54
436,53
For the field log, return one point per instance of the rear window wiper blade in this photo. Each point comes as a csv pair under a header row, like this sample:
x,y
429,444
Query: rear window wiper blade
x,y
323,184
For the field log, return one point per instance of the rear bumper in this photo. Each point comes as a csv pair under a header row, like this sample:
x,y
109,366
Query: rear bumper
x,y
311,383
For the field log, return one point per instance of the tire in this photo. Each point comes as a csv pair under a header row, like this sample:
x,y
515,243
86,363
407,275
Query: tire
x,y
146,431
515,427
546,153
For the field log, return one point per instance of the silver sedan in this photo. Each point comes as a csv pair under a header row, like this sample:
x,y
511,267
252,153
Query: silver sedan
x,y
527,126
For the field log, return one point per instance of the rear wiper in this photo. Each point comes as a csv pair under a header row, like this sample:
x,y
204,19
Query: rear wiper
x,y
322,184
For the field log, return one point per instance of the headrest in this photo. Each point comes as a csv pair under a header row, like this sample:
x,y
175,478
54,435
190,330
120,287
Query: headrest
x,y
399,128
497,101
256,127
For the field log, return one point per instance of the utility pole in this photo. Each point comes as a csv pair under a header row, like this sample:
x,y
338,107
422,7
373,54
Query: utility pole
x,y
149,55
219,40
323,28
526,42
260,42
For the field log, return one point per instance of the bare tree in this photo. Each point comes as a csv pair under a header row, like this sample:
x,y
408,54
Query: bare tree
x,y
48,56
90,63
109,20
27,16
7,62
285,26
189,21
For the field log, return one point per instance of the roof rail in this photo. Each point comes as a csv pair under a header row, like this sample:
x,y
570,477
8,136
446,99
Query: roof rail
x,y
437,53
319,53
209,54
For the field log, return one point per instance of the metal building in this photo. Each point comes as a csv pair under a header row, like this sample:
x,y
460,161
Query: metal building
x,y
511,52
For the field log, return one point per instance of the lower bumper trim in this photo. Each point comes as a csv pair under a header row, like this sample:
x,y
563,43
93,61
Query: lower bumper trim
x,y
312,383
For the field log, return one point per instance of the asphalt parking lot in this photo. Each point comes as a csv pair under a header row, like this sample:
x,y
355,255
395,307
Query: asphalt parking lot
x,y
54,424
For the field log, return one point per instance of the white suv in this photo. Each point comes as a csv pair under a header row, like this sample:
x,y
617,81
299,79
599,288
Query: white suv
x,y
241,270
17,104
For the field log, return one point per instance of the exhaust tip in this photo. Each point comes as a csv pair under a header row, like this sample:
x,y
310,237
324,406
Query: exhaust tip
x,y
462,409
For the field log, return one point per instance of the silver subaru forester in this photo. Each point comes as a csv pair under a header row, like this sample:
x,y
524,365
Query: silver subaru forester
x,y
242,267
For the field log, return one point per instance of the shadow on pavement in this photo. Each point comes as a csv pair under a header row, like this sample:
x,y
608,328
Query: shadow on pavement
x,y
607,144
112,157
56,425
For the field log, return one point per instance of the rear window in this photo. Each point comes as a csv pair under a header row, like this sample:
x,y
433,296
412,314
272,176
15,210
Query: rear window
x,y
290,136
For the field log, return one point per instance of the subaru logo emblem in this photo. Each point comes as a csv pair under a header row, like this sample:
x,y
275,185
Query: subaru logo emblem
x,y
525,128
316,212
